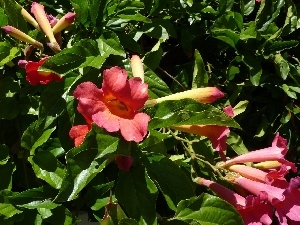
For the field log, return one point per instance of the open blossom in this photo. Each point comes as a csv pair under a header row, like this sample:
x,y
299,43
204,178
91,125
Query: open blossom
x,y
286,201
115,106
276,152
34,76
253,209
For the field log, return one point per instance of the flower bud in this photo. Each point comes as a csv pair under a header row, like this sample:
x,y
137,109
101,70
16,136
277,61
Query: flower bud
x,y
14,32
137,67
39,13
203,95
29,18
64,22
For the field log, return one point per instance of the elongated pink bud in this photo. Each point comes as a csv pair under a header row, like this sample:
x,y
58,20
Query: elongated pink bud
x,y
14,32
203,95
137,67
64,22
39,13
29,18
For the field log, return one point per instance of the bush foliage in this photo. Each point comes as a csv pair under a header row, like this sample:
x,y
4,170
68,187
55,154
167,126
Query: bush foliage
x,y
247,49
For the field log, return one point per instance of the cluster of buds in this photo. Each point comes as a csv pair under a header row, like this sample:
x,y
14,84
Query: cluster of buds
x,y
52,28
265,181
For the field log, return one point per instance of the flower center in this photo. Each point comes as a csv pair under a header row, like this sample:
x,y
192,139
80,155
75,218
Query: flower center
x,y
118,108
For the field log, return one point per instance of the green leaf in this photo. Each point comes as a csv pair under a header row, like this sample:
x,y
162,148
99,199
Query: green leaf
x,y
267,13
98,11
208,210
13,11
32,195
247,6
11,109
236,143
4,154
3,18
253,64
128,221
187,112
8,86
83,53
7,53
200,76
96,196
140,198
86,161
169,178
278,46
8,210
109,44
81,9
114,214
6,173
225,5
152,58
281,66
157,87
48,168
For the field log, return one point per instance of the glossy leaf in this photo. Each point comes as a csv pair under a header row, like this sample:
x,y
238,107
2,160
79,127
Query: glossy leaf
x,y
206,209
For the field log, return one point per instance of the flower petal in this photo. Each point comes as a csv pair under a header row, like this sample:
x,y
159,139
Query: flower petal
x,y
135,129
138,93
107,120
78,133
114,81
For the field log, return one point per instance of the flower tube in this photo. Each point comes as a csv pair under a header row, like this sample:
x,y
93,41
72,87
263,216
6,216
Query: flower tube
x,y
137,67
276,152
203,95
14,32
253,210
64,22
286,201
39,13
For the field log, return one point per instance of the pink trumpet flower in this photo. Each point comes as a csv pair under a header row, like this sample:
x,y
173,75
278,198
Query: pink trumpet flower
x,y
286,201
276,152
116,105
253,210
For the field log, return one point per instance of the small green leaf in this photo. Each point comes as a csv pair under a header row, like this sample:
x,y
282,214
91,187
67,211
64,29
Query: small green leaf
x,y
3,18
200,76
157,87
8,210
140,198
13,11
169,178
281,66
7,53
208,210
187,112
